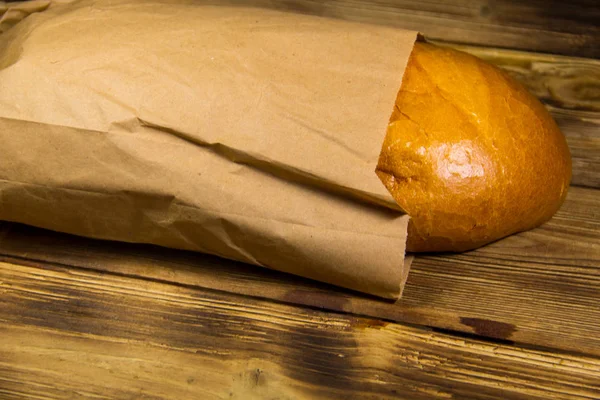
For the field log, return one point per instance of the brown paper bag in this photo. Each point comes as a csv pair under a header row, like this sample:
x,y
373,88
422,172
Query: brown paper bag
x,y
246,133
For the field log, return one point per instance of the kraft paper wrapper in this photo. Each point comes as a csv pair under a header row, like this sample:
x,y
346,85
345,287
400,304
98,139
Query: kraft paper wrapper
x,y
246,133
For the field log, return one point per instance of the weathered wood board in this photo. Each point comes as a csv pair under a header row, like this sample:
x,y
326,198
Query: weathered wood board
x,y
68,333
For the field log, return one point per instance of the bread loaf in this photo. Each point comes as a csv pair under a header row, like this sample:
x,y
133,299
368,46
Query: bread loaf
x,y
469,154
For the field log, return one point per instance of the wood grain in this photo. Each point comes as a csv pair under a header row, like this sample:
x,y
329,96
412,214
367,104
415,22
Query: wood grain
x,y
570,88
73,333
540,287
549,26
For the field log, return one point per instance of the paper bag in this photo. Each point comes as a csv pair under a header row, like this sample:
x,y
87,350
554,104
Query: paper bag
x,y
246,133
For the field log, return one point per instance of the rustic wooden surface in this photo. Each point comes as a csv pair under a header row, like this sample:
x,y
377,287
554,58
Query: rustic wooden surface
x,y
540,287
519,319
73,333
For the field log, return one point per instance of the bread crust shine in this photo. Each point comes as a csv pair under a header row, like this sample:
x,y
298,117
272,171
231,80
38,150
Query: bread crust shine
x,y
469,154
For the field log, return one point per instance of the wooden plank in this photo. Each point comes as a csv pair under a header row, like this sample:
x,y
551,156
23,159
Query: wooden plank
x,y
540,287
72,333
569,87
549,26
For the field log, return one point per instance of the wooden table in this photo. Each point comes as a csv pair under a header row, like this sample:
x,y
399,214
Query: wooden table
x,y
519,319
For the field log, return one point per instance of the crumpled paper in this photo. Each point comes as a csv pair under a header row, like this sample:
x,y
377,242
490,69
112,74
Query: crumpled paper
x,y
246,133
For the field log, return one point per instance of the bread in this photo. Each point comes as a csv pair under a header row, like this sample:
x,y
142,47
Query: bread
x,y
469,154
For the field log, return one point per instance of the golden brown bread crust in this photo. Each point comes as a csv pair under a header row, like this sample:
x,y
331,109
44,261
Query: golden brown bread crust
x,y
469,154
